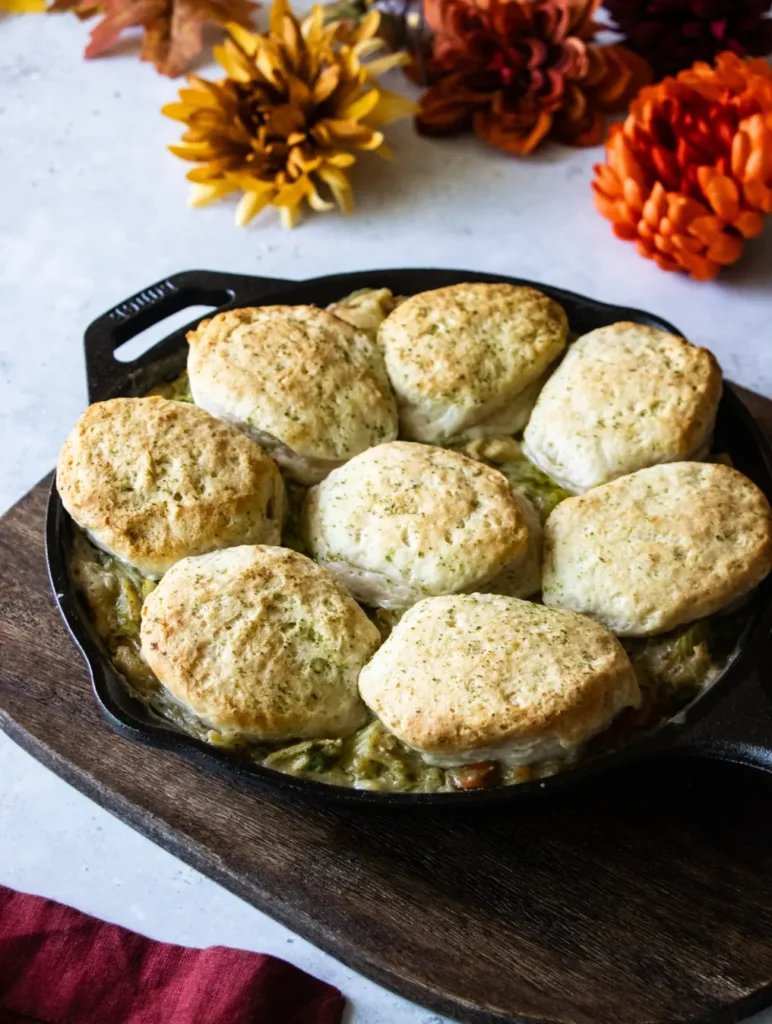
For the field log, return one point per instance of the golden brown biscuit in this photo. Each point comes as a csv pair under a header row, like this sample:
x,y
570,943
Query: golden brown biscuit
x,y
311,389
483,677
625,397
259,642
153,481
403,521
658,548
461,358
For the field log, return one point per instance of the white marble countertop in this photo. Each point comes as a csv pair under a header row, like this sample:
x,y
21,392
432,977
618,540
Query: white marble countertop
x,y
93,209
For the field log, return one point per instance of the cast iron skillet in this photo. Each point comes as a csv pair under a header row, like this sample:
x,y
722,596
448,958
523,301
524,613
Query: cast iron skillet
x,y
731,719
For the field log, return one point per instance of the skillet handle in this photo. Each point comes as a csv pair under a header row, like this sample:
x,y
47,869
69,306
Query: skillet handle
x,y
153,304
736,727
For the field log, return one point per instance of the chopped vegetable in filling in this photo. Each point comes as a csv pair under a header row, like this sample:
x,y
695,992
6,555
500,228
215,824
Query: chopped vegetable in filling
x,y
506,454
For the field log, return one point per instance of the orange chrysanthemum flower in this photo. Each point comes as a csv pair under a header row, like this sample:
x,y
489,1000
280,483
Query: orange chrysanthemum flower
x,y
520,71
688,175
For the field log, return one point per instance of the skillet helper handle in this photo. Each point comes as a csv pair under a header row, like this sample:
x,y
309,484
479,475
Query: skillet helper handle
x,y
152,305
737,728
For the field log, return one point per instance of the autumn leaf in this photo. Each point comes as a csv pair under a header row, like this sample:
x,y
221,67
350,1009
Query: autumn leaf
x,y
84,9
173,28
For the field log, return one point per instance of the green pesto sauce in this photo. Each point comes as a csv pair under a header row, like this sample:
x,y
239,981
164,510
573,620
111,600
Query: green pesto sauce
x,y
671,669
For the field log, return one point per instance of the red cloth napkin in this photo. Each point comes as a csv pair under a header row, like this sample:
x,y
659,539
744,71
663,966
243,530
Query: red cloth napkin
x,y
58,966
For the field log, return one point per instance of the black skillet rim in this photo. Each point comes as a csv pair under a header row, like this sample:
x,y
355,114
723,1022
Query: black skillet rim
x,y
134,726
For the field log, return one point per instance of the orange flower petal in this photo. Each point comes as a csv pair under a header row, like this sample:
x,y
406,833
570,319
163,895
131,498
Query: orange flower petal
x,y
758,196
655,206
627,232
706,229
666,165
621,158
759,163
663,244
519,138
686,242
700,268
741,148
607,181
720,191
627,215
633,194
665,263
606,207
726,249
682,210
749,223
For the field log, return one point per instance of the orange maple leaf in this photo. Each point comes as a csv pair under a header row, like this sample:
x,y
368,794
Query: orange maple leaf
x,y
173,28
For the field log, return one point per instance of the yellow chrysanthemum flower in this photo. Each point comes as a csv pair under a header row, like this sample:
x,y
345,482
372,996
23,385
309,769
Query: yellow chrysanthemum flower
x,y
284,125
23,6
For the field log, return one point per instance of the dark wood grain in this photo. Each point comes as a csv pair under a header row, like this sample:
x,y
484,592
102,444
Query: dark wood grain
x,y
643,898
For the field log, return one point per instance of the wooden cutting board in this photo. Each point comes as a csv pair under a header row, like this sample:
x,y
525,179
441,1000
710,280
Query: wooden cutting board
x,y
642,898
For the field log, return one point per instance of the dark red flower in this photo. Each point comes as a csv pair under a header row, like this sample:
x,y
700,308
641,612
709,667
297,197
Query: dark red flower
x,y
518,71
672,34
